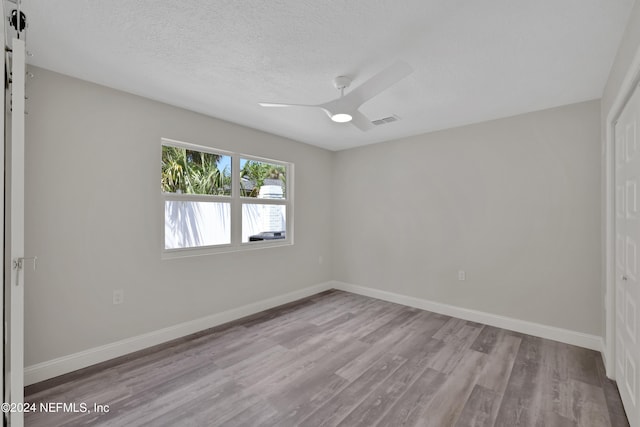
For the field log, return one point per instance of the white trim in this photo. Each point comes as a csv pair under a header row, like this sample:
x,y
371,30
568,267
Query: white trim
x,y
3,328
65,364
567,336
194,147
15,241
626,88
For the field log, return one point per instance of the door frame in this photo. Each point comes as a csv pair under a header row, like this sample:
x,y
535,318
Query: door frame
x,y
631,79
3,99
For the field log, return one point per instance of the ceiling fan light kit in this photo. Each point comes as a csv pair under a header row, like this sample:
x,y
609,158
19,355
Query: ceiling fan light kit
x,y
341,83
345,108
341,118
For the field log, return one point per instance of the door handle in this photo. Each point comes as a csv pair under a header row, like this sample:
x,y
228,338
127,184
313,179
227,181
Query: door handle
x,y
18,263
623,277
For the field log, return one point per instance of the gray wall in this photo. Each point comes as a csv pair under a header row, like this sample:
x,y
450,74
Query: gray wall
x,y
515,202
94,219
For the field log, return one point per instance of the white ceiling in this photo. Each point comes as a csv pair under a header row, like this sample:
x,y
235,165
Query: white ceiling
x,y
473,60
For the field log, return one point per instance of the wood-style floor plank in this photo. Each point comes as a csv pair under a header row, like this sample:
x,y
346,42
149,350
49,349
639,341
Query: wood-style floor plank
x,y
341,404
414,399
340,359
479,408
384,396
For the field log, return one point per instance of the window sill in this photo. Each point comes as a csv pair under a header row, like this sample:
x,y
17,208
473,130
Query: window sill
x,y
223,249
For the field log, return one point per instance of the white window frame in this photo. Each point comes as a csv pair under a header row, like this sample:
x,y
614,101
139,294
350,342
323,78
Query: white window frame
x,y
236,202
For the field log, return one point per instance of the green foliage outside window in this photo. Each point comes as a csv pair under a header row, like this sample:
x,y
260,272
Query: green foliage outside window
x,y
256,173
193,172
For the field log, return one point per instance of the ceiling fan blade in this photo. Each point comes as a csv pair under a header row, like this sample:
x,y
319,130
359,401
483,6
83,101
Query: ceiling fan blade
x,y
361,121
276,104
377,84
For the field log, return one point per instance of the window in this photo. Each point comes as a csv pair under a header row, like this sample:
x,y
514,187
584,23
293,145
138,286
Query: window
x,y
216,201
263,194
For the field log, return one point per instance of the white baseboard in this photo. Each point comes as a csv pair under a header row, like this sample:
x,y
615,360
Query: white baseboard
x,y
580,339
603,351
63,365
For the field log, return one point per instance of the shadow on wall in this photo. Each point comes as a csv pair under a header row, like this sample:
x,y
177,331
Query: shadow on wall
x,y
191,224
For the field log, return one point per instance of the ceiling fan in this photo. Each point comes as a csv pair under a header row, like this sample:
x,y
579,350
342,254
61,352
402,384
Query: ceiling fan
x,y
345,108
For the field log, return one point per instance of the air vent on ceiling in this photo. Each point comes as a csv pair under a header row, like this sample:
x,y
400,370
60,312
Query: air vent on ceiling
x,y
386,120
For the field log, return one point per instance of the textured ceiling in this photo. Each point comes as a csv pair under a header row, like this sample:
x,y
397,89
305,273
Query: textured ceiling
x,y
473,60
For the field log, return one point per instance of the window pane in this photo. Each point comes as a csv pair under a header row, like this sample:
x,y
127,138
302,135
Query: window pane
x,y
193,224
195,172
263,222
262,180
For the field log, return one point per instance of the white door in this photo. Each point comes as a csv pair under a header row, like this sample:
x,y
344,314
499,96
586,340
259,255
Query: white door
x,y
14,236
627,225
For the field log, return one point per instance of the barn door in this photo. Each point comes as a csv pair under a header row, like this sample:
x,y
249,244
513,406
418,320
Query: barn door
x,y
13,215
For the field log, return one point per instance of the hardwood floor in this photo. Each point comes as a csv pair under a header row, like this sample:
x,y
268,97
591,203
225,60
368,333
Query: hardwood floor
x,y
342,359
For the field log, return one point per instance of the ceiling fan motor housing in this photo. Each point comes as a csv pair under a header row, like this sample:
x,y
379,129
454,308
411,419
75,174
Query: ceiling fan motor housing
x,y
341,82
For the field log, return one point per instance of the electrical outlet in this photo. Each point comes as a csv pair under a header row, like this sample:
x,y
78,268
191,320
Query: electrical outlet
x,y
118,296
462,275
